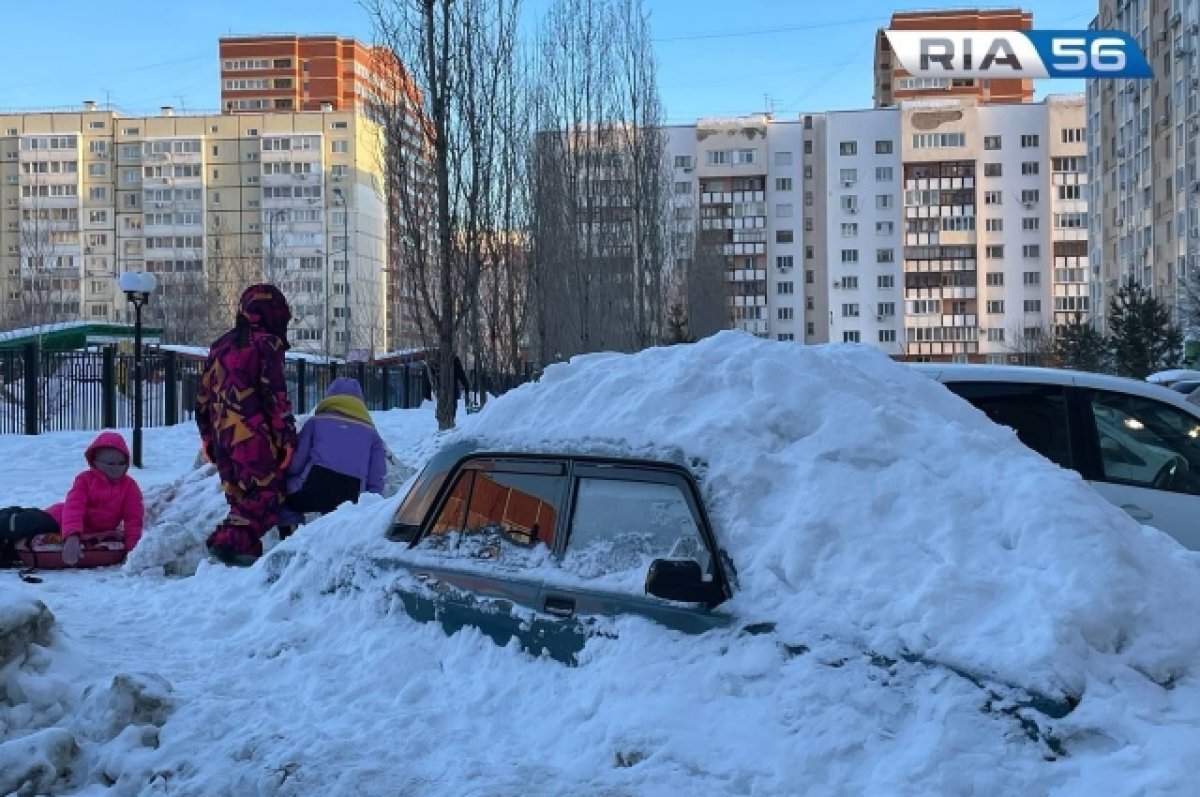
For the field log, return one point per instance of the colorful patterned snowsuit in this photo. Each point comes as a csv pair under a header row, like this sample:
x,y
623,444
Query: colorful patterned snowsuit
x,y
245,420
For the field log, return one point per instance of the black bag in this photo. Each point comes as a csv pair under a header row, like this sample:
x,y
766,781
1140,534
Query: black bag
x,y
17,524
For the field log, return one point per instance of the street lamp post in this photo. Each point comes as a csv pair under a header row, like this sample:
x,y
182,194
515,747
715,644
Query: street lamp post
x,y
137,285
340,199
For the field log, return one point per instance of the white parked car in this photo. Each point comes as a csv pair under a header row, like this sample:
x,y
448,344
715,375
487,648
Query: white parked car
x,y
1136,443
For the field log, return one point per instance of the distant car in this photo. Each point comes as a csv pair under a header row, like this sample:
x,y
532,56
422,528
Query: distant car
x,y
1136,443
541,547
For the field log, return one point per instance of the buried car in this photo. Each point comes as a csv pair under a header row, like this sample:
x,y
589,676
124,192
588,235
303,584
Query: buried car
x,y
543,547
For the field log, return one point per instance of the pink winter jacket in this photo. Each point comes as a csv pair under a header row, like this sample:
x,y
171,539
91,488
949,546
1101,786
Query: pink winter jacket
x,y
96,506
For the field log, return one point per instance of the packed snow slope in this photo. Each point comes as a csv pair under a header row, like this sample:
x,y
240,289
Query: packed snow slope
x,y
867,509
857,496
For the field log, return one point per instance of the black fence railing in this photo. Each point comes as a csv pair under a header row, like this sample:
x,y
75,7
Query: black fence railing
x,y
50,391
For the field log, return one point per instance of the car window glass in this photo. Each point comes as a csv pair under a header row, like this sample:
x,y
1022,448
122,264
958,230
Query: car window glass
x,y
620,527
1146,443
1037,413
507,516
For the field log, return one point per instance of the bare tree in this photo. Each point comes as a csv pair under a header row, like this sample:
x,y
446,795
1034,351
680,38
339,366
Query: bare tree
x,y
600,182
1028,345
442,127
49,286
708,310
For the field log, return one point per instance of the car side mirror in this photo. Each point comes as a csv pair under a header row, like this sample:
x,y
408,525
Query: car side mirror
x,y
680,580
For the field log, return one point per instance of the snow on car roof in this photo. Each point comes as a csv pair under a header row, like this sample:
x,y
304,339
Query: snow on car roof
x,y
858,497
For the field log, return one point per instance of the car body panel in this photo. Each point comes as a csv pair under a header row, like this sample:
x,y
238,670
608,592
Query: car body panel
x,y
1110,457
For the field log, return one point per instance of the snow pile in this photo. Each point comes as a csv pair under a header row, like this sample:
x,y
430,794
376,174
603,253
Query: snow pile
x,y
860,499
868,510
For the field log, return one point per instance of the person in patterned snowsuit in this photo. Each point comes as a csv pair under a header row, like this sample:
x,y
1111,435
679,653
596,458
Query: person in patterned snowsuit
x,y
246,423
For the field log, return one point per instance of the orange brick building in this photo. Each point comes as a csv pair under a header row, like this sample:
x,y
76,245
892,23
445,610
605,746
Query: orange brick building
x,y
302,73
893,84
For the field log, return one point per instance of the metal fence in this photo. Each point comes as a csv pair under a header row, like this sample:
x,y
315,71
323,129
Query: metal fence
x,y
50,391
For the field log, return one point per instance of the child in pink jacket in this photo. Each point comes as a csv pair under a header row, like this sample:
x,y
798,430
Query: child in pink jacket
x,y
104,503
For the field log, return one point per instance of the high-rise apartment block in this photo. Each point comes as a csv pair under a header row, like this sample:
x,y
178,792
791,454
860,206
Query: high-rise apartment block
x,y
893,84
303,73
204,202
936,230
1143,140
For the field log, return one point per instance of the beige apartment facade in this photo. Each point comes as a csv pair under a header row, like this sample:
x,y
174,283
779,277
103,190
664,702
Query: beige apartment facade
x,y
209,204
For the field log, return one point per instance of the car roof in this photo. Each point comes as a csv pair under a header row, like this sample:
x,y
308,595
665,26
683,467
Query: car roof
x,y
1025,374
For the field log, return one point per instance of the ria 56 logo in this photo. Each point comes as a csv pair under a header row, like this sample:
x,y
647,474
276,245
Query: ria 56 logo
x,y
1019,54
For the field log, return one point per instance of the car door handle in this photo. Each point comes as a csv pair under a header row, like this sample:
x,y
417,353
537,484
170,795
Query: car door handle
x,y
559,607
1137,513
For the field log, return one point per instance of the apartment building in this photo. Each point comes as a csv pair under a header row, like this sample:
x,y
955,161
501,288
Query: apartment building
x,y
209,204
935,230
737,201
1145,189
894,85
853,229
303,73
921,198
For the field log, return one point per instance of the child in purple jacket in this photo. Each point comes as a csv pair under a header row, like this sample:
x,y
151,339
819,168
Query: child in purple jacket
x,y
339,456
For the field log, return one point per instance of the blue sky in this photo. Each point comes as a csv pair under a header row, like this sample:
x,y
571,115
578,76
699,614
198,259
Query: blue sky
x,y
716,57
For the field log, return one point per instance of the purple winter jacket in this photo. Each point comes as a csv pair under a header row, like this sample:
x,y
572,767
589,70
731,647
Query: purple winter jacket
x,y
343,443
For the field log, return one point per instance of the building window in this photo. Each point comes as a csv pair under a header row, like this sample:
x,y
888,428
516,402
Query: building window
x,y
1030,196
849,230
809,277
851,336
1073,135
786,336
1031,251
850,283
885,255
98,192
340,146
808,254
993,197
849,255
1033,305
717,157
1031,223
994,251
808,147
683,188
97,169
995,278
885,281
783,288
883,201
991,142
884,227
848,176
1033,278
783,184
885,309
809,303
1030,167
783,262
883,147
1070,192
939,140
683,161
783,159
848,148
850,310
849,204
883,174
992,170
995,307
994,225
808,171
1029,141
887,336
784,236
784,313
808,224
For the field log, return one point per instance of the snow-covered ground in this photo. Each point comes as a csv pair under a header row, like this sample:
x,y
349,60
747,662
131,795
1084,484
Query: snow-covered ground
x,y
867,509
